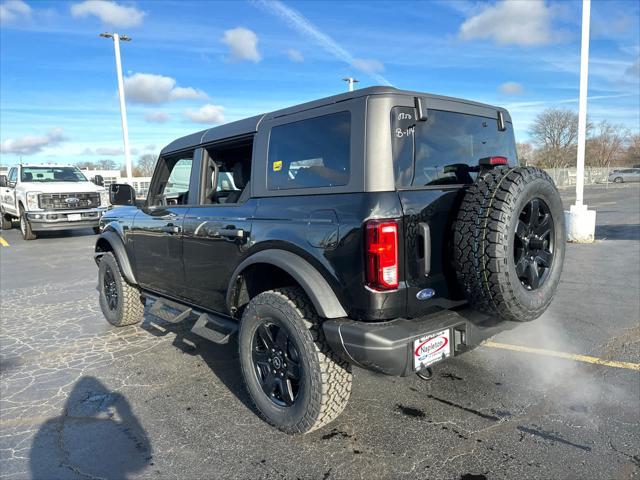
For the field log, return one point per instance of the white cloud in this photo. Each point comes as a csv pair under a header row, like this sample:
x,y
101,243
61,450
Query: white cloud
x,y
156,117
107,151
150,88
368,65
110,13
209,113
14,10
30,144
511,88
304,27
149,147
295,55
243,44
512,22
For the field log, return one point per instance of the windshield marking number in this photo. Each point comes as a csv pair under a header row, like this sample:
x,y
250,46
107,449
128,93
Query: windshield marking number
x,y
405,133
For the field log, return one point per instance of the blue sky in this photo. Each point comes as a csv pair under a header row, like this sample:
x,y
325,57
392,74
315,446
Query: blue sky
x,y
196,64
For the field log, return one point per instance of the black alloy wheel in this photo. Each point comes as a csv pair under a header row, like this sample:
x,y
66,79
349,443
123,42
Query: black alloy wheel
x,y
277,363
110,288
534,244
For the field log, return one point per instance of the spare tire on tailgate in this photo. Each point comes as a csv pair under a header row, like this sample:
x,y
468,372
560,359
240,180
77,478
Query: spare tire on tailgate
x,y
509,242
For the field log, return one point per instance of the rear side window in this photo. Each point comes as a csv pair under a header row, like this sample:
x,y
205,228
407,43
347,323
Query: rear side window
x,y
446,148
310,153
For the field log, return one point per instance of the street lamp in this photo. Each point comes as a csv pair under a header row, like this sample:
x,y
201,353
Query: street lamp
x,y
123,109
581,222
350,81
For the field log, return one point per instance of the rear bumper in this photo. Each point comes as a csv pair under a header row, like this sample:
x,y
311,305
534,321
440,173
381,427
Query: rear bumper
x,y
387,347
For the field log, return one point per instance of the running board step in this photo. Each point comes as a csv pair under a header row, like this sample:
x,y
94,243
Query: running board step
x,y
216,329
159,309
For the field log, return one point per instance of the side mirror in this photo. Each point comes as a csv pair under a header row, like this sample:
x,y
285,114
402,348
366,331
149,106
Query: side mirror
x,y
122,194
3,180
98,180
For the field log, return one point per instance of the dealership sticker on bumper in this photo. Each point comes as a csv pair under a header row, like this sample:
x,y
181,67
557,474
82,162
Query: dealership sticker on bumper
x,y
74,217
431,348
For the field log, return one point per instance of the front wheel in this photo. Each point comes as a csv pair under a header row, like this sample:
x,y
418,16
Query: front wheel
x,y
617,180
25,226
120,302
294,379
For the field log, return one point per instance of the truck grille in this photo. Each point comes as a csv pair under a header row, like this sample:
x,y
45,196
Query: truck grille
x,y
68,201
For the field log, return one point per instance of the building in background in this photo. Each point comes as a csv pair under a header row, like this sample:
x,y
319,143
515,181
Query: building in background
x,y
139,184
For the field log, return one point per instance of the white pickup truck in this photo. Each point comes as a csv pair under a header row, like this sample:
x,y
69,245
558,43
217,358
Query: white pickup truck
x,y
50,197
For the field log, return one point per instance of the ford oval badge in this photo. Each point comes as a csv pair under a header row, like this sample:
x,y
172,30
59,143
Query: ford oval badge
x,y
425,294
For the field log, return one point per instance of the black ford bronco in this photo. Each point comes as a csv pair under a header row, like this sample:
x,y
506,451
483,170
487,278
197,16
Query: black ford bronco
x,y
381,228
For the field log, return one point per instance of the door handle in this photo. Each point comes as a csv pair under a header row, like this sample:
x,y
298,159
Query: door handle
x,y
226,232
173,229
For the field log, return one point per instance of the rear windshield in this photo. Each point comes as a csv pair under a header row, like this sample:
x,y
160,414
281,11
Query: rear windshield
x,y
441,150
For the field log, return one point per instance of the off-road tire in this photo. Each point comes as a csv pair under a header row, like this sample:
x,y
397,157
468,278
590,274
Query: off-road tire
x,y
25,226
130,306
326,380
5,222
484,239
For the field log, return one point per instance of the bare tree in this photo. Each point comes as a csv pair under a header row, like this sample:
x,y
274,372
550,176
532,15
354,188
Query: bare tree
x,y
86,164
555,132
631,155
605,147
106,164
525,153
146,164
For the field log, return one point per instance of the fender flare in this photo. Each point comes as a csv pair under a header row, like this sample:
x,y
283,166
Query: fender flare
x,y
120,252
312,282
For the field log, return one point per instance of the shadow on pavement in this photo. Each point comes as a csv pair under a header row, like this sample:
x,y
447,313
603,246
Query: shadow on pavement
x,y
618,232
221,359
97,436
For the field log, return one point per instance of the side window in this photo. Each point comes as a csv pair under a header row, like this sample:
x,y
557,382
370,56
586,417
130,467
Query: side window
x,y
232,161
310,153
13,175
172,184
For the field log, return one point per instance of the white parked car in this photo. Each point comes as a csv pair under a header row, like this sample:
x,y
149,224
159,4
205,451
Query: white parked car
x,y
50,197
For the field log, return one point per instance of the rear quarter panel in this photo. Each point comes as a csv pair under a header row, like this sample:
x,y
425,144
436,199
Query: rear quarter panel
x,y
326,230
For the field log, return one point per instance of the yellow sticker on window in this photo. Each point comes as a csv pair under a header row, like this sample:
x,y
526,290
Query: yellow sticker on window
x,y
277,165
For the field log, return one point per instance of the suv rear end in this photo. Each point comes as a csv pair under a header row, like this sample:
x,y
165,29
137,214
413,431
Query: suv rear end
x,y
427,151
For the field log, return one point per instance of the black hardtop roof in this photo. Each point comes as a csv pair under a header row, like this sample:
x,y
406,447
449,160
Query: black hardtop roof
x,y
250,125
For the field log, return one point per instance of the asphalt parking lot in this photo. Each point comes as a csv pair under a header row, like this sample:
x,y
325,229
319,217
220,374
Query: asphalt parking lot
x,y
81,399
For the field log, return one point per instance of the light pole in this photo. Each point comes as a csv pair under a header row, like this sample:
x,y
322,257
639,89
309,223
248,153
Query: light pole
x,y
350,81
123,109
581,223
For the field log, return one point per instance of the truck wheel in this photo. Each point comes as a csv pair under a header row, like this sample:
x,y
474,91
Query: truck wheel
x,y
6,222
121,303
509,242
295,381
25,226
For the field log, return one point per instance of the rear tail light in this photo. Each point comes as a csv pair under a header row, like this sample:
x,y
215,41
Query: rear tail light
x,y
492,161
381,246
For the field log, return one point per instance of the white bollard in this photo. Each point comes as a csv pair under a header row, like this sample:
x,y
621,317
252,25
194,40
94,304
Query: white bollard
x,y
581,224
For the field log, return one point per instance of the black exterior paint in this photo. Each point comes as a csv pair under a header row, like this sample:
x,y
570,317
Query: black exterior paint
x,y
182,252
